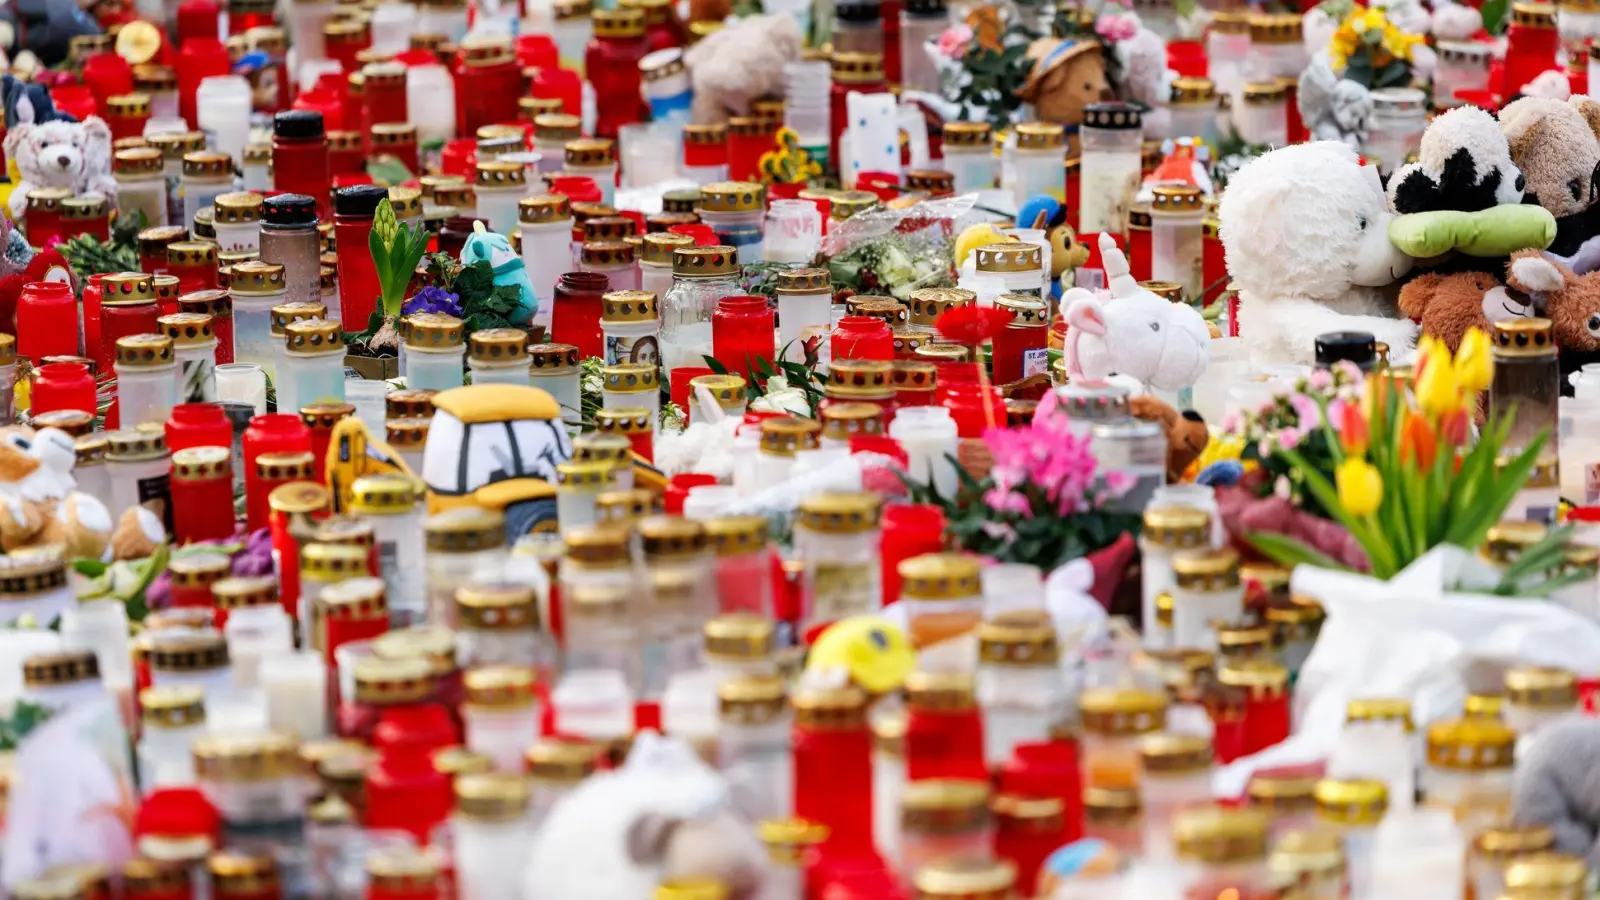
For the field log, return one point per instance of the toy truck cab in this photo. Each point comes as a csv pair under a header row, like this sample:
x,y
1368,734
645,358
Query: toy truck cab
x,y
496,446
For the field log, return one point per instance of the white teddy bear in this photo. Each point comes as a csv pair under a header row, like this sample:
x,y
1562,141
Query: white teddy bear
x,y
73,155
1306,233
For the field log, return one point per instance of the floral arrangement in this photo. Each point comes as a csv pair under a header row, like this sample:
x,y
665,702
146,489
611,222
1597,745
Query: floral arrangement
x,y
1405,475
1293,419
789,163
895,251
1368,48
396,250
1044,500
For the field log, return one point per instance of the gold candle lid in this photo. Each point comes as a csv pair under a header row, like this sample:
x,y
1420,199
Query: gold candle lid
x,y
1219,835
1015,256
943,805
256,278
1519,337
940,576
732,196
1041,136
840,513
623,23
59,668
542,208
952,879
500,686
857,68
788,435
967,134
592,152
1018,638
314,336
1541,686
628,306
1474,743
705,262
145,351
498,345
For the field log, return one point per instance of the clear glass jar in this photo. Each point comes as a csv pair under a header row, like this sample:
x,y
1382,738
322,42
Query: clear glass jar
x,y
1168,532
253,780
465,545
944,821
174,719
141,184
1526,383
1176,776
501,714
391,503
736,212
681,571
1468,770
1395,127
1461,67
655,261
1224,852
206,176
929,436
435,350
1494,849
836,537
1036,161
1228,51
1537,696
256,287
1354,807
701,277
754,752
491,829
1177,236
195,348
554,370
1109,168
1113,719
1019,683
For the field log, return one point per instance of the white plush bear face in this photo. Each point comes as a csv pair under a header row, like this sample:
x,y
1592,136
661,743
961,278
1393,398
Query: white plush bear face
x,y
60,153
1308,221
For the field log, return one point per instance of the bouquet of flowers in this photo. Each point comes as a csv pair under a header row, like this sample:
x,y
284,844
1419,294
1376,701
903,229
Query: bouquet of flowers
x,y
1293,419
896,251
1368,48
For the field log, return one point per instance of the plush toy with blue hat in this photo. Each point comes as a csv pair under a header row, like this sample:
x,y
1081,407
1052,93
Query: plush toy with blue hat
x,y
1066,253
509,269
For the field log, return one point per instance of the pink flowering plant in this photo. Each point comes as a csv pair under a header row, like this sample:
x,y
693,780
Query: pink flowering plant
x,y
1045,500
1291,418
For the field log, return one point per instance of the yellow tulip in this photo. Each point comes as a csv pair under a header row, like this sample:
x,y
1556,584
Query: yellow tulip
x,y
1474,362
1438,389
1360,486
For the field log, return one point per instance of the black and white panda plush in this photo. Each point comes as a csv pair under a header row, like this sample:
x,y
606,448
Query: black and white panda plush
x,y
1463,163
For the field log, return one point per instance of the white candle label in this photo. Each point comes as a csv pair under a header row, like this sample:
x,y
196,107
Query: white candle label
x,y
632,349
1035,362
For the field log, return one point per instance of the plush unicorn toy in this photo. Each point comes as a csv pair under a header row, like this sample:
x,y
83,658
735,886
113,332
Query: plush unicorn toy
x,y
1132,332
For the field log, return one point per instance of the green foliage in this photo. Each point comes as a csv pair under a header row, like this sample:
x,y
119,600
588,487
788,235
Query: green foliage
x,y
995,76
396,250
24,718
800,376
126,581
1496,14
91,256
1538,570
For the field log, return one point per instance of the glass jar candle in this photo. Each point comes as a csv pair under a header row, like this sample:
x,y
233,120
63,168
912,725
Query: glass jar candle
x,y
611,63
1110,165
742,334
833,764
141,184
655,261
836,537
598,589
1193,109
1177,238
237,220
575,312
490,830
1377,743
283,316
842,422
748,138
1113,719
89,215
43,219
488,82
501,714
500,627
614,260
1019,685
435,351
1018,266
578,485
1228,51
630,385
193,264
753,733
743,565
969,155
289,239
206,176
463,544
1175,775
631,325
1168,532
147,379
553,368
312,368
594,158
1036,160
928,436
783,440
127,308
1395,127
396,139
354,208
805,310
1205,589
498,356
1262,114
253,780
705,153
323,565
499,186
195,349
174,719
136,463
391,503
1463,68
1537,696
860,71
89,470
257,167
944,821
551,132
1495,849
1353,807
1526,383
701,277
632,422
943,598
545,223
256,287
858,27
1136,449
1223,852
153,244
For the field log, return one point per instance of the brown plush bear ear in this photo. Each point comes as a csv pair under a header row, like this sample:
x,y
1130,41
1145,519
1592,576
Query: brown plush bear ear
x,y
1590,110
1417,293
1521,137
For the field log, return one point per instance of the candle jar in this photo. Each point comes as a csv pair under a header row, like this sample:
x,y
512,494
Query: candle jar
x,y
501,714
283,316
289,239
257,168
256,287
498,356
61,387
147,379
237,219
127,308
141,184
632,422
1193,109
1495,849
464,545
1224,851
743,564
153,244
748,138
193,264
943,736
1128,446
490,831
397,139
47,317
354,208
944,821
323,565
89,215
312,368
1176,775
1019,349
499,188
836,537
36,587
599,608
136,463
727,395
631,325
742,334
921,22
1113,719
1109,166
615,261
1177,238
196,658
575,312
89,470
43,220
805,310
1018,266
682,597
611,63
1265,685
782,440
1168,531
1537,696
1019,686
705,153
862,338
500,627
929,437
435,351
206,176
1037,159
276,452
833,765
969,155
1398,117
389,502
174,719
860,71
578,485
1463,68
554,369
1261,115
754,726
1353,807
1376,743
594,158
555,767
546,229
943,599
253,781
701,278
488,82
1526,383
843,422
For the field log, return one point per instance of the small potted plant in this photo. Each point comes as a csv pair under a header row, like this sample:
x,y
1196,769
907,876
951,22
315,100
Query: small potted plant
x,y
396,250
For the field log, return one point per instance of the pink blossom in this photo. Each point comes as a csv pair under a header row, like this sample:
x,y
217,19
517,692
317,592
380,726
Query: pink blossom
x,y
1307,412
1116,27
1008,502
954,41
1288,438
1000,531
1119,482
1232,423
1321,379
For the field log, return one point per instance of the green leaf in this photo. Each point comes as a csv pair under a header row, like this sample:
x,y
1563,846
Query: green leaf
x,y
1287,551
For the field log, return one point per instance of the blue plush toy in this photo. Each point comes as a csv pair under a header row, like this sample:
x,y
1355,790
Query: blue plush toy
x,y
508,267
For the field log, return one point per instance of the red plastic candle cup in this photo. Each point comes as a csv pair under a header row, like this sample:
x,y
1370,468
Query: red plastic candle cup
x,y
749,137
396,139
1213,262
344,41
202,494
271,433
219,306
678,488
385,92
576,188
915,382
198,425
405,791
194,264
47,321
43,216
909,529
91,322
575,312
833,767
346,156
1140,246
742,334
344,623
320,419
90,215
555,83
611,62
1072,190
199,58
701,232
862,337
537,51
326,101
1529,49
300,162
289,506
1266,706
681,376
943,740
488,83
108,75
1019,347
885,184
358,274
126,114
705,146
197,20
975,408
63,385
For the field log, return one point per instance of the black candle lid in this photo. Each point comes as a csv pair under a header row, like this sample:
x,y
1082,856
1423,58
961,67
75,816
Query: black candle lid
x,y
927,8
1358,347
858,11
358,199
289,210
297,123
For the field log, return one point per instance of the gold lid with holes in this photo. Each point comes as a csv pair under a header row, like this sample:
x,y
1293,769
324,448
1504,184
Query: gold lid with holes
x,y
1379,709
590,152
324,562
556,127
732,196
433,331
738,636
622,23
137,161
565,761
704,262
626,506
842,421
464,530
241,592
843,205
968,134
256,278
1544,875
940,691
129,288
1533,15
1210,571
927,304
214,303
172,706
314,337
862,378
631,378
61,667
1541,686
628,306
1178,199
384,494
1351,801
657,249
857,68
498,345
497,607
1474,743
752,700
141,351
409,872
1018,638
727,390
1214,834
90,449
245,757
200,569
668,537
454,762
1041,136
542,208
390,682
841,513
492,796
1015,256
235,873
624,420
966,879
1112,805
1503,842
205,164
1171,753
598,546
829,708
607,253
132,444
501,687
91,207
1122,710
552,356
360,599
395,134
1523,337
788,435
943,806
187,329
492,174
1176,527
940,576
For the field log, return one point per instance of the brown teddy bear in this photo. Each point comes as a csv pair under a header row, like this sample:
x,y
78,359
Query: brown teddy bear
x,y
1556,145
1571,302
39,506
1447,306
1068,75
1187,434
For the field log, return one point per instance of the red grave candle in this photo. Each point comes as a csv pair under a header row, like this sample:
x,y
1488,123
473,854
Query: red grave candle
x,y
1213,262
915,382
1140,251
89,215
47,321
344,39
43,217
108,75
909,529
194,264
564,85
862,337
1028,830
944,728
354,208
396,139
748,138
126,114
153,243
345,154
1532,45
742,333
833,767
192,578
705,146
353,615
405,791
198,425
1048,769
63,385
202,494
1019,348
575,312
488,84
92,294
198,59
273,470
385,93
1073,190
320,419
219,306
1266,707
291,509
612,62
300,159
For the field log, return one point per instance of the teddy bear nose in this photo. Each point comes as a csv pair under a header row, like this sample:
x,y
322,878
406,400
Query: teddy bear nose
x,y
63,160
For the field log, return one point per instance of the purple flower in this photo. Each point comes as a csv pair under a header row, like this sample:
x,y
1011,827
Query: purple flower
x,y
432,299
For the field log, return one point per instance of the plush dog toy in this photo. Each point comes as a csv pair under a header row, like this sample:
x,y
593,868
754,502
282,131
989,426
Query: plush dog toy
x,y
40,506
1187,435
1571,302
60,153
1133,332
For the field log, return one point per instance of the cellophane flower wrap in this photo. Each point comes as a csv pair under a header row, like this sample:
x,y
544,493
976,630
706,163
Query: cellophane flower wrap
x,y
896,250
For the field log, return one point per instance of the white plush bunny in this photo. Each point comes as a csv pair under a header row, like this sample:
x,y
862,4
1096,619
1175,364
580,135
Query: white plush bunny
x,y
1131,331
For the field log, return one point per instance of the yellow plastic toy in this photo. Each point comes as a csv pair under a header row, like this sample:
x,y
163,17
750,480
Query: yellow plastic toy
x,y
975,236
354,452
875,653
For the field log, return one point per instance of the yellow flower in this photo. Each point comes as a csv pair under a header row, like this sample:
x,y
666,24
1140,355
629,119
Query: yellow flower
x,y
1399,43
1337,60
1373,19
1474,362
1360,486
1438,388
